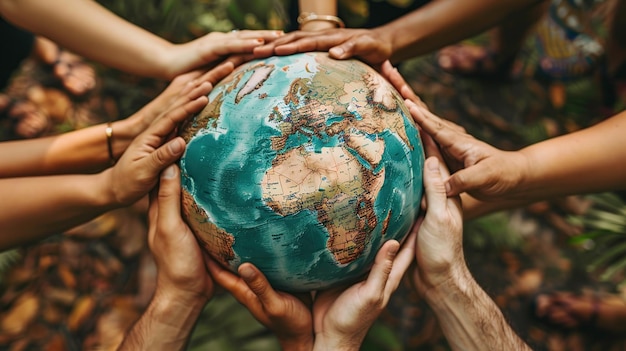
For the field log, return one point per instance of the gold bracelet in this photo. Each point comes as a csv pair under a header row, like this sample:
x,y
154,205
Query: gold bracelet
x,y
109,133
306,17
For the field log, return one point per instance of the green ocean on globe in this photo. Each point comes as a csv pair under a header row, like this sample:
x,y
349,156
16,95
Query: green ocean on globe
x,y
304,166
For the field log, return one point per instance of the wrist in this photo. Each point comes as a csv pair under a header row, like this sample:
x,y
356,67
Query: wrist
x,y
160,60
123,132
314,21
180,299
438,294
169,292
526,166
165,325
177,59
338,342
317,26
104,191
386,35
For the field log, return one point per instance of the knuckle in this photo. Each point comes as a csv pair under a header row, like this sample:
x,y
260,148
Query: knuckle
x,y
258,287
159,158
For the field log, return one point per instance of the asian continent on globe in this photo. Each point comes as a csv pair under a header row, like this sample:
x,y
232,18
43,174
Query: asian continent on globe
x,y
304,166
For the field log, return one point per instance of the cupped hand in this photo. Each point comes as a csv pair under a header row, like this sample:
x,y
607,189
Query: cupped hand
x,y
137,171
287,315
479,169
342,43
182,273
213,48
343,316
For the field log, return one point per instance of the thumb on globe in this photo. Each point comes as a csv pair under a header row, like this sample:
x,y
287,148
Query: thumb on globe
x,y
169,172
434,186
383,264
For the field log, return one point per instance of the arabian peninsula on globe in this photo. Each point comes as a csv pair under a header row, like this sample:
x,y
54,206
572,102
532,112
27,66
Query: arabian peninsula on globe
x,y
304,166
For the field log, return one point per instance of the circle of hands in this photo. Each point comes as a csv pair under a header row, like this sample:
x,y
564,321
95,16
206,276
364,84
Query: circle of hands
x,y
331,319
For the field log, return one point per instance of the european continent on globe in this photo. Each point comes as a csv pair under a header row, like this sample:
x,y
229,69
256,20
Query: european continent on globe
x,y
304,166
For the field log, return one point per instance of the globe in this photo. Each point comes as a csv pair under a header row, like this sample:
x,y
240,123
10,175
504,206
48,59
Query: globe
x,y
304,166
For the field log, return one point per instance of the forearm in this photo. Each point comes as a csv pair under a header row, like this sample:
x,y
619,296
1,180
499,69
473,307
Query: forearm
x,y
444,22
321,344
591,160
81,151
323,7
320,7
33,208
104,37
165,325
469,318
588,161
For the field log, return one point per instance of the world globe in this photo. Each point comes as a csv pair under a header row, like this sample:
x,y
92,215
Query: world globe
x,y
304,166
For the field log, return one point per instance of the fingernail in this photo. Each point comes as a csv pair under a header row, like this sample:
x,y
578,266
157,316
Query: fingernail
x,y
448,187
393,251
278,33
176,146
336,51
169,172
260,40
246,272
433,164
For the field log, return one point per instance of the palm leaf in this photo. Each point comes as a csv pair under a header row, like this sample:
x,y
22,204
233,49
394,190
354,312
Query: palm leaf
x,y
605,237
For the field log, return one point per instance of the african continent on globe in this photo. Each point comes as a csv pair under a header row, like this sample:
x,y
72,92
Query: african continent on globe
x,y
304,166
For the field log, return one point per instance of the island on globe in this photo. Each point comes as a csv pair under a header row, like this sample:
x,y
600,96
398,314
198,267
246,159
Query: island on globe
x,y
304,166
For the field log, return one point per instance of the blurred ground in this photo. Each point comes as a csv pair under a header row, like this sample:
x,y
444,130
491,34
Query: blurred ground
x,y
82,289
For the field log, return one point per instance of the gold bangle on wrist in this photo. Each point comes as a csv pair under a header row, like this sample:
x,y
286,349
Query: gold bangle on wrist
x,y
306,17
109,133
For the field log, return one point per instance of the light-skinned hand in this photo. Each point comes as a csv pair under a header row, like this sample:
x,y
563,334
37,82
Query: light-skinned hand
x,y
343,316
137,171
399,83
181,90
212,48
479,169
439,247
181,273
